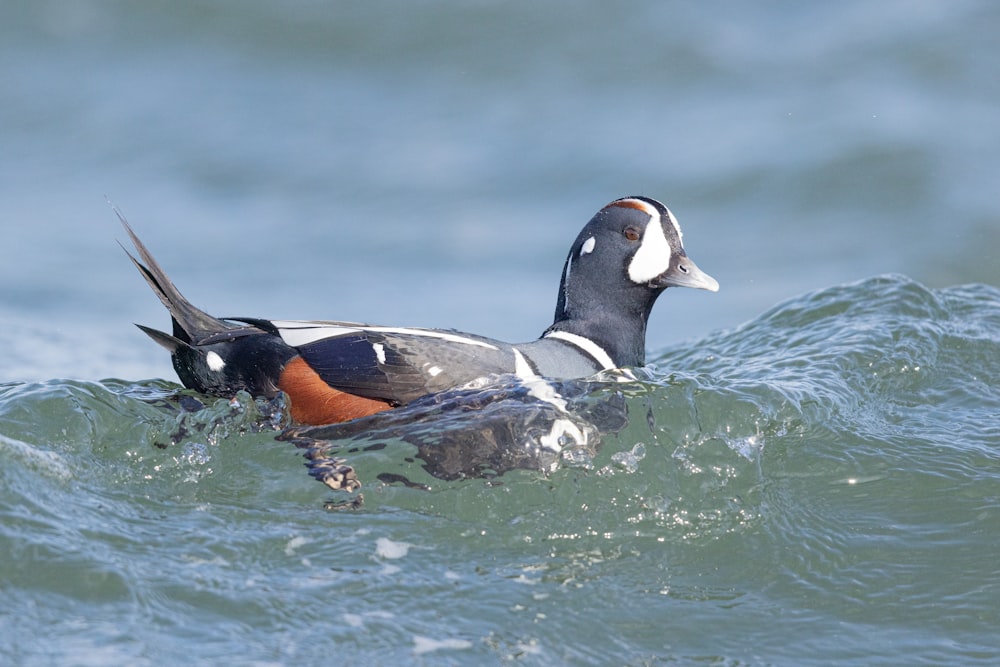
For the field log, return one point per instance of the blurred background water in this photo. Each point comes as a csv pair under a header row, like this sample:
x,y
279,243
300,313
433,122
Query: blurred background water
x,y
429,164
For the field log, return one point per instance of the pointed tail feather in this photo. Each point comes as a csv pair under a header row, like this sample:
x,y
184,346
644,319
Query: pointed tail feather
x,y
162,338
191,324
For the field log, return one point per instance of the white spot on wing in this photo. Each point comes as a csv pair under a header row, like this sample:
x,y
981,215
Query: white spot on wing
x,y
379,352
588,246
434,371
653,256
214,361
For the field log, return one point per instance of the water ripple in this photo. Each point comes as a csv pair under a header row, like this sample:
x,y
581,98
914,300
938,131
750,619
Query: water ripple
x,y
836,458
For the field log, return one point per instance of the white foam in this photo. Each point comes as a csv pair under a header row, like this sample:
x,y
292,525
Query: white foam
x,y
391,550
423,645
564,432
294,544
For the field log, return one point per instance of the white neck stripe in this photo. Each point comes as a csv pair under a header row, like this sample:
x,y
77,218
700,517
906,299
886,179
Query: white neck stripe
x,y
587,345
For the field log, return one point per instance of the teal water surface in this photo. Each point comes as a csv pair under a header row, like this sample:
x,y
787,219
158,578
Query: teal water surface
x,y
817,486
808,471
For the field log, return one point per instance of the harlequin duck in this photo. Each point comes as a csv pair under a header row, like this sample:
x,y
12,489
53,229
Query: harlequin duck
x,y
623,259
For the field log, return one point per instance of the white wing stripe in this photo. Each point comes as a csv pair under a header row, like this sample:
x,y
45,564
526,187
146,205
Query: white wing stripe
x,y
537,386
296,333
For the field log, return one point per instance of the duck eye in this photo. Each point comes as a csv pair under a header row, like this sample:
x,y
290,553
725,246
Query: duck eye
x,y
632,234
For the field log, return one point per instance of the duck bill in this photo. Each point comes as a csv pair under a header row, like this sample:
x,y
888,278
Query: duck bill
x,y
685,273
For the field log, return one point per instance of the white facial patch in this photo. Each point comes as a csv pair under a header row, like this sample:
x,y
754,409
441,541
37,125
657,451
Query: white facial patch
x,y
653,256
214,361
588,246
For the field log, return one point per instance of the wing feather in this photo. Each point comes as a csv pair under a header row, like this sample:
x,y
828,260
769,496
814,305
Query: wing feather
x,y
398,365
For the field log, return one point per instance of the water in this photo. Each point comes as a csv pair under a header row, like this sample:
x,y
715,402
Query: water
x,y
817,486
808,473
